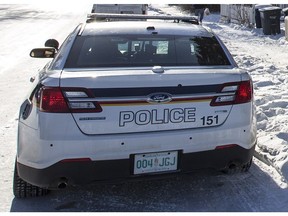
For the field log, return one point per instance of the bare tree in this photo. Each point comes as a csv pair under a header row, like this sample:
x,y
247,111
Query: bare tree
x,y
241,14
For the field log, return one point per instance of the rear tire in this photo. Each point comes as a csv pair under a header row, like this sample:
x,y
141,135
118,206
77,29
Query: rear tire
x,y
22,189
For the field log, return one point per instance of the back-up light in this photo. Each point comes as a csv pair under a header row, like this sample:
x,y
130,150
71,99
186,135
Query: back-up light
x,y
234,93
57,100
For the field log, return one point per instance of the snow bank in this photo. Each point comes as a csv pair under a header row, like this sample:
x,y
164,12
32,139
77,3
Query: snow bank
x,y
265,58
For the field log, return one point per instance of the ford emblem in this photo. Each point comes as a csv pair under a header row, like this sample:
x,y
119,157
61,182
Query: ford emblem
x,y
159,98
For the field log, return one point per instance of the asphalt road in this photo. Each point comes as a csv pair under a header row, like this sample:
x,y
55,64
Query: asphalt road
x,y
203,191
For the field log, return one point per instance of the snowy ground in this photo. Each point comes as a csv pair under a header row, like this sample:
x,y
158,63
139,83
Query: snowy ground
x,y
261,189
265,57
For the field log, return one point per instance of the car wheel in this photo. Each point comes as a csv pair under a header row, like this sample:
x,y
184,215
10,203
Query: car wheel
x,y
237,169
22,189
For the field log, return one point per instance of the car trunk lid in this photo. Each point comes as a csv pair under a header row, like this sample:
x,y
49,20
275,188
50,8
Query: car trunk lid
x,y
133,101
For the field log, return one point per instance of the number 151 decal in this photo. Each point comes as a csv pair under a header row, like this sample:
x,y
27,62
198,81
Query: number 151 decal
x,y
210,120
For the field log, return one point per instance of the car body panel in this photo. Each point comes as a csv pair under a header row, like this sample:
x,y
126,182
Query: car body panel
x,y
65,141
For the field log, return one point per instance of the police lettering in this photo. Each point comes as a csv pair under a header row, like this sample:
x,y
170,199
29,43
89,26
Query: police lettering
x,y
145,117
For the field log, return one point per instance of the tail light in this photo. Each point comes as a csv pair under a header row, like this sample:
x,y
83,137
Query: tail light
x,y
57,100
51,99
244,93
234,93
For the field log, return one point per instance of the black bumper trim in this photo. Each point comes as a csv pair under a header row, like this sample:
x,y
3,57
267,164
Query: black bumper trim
x,y
76,173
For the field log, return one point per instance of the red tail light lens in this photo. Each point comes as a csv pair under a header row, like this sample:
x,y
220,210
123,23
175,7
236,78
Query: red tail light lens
x,y
52,100
244,93
57,100
237,93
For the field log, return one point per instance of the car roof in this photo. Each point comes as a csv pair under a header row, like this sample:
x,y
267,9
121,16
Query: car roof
x,y
145,28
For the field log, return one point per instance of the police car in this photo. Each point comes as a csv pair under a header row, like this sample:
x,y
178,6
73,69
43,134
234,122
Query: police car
x,y
125,99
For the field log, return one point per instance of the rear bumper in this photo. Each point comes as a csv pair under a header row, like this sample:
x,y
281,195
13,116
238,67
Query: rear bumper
x,y
83,172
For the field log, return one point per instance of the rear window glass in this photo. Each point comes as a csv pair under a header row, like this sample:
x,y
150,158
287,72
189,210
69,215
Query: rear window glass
x,y
131,51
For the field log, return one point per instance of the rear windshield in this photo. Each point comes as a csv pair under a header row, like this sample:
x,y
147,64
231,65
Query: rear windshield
x,y
131,51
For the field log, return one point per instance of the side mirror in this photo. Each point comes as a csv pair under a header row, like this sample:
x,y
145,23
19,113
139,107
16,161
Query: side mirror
x,y
43,52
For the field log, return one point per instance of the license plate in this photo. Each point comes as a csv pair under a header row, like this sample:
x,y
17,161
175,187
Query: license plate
x,y
155,162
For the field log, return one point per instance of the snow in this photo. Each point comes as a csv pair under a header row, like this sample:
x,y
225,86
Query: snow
x,y
268,66
264,56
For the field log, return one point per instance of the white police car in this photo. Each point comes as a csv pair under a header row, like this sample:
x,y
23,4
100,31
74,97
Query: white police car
x,y
130,99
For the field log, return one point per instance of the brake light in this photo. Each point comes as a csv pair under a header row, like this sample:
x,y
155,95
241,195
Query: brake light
x,y
57,100
244,93
234,93
52,100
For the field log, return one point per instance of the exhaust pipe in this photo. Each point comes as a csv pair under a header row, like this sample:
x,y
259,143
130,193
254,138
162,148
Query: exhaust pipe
x,y
232,166
62,184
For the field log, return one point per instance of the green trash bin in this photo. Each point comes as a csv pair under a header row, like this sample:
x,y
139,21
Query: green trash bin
x,y
257,7
270,20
